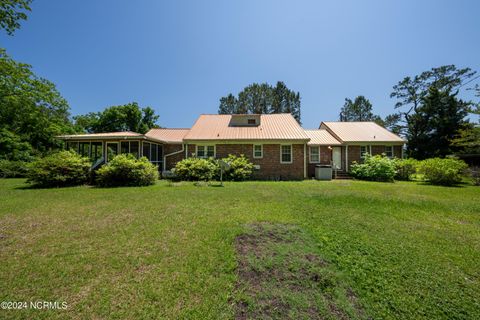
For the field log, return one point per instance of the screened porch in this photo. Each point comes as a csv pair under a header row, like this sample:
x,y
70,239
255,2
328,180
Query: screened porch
x,y
101,151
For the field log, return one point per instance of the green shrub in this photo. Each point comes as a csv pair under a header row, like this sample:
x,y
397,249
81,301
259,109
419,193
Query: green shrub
x,y
374,168
126,170
442,171
13,169
196,169
64,168
241,168
405,168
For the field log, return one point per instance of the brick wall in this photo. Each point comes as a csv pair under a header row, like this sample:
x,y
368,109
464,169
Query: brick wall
x,y
353,155
270,166
325,158
172,160
397,151
354,152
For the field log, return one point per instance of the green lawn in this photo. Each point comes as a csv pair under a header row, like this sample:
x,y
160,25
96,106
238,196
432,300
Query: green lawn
x,y
406,250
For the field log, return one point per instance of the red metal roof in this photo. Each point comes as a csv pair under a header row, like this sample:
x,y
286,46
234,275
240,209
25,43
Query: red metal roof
x,y
167,135
321,137
361,131
109,135
272,127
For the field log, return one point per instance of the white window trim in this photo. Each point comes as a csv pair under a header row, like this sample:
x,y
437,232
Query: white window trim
x,y
205,146
261,151
366,151
291,154
310,154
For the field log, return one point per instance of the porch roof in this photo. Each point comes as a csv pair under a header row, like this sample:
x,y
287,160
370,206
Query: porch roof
x,y
321,137
101,136
169,135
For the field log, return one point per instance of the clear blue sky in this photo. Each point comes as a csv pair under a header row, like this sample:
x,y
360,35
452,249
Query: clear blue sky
x,y
180,57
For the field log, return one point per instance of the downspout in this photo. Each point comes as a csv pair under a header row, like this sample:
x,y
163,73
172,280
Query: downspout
x,y
171,154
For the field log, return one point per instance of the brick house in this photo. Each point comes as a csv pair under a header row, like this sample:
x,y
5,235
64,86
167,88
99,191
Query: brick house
x,y
276,144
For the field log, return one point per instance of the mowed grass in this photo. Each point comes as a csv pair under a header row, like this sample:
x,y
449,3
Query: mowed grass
x,y
407,251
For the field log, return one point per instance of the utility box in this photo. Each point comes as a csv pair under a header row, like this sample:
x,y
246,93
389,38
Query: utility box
x,y
323,172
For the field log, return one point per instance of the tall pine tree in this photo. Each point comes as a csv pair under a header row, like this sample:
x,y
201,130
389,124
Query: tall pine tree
x,y
262,99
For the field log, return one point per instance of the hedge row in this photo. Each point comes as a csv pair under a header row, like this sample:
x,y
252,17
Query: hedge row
x,y
437,171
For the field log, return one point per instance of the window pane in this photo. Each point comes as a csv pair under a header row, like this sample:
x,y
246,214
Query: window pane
x,y
200,151
134,148
257,151
146,150
286,153
210,151
124,147
315,154
389,151
363,151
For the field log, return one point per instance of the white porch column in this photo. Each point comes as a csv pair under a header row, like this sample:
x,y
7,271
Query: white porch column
x,y
305,160
346,158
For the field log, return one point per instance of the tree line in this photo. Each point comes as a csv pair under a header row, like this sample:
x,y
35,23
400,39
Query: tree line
x,y
428,111
33,112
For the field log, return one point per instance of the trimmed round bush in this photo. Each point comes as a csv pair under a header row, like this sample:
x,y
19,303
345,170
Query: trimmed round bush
x,y
13,169
445,172
374,168
241,168
126,170
196,169
405,168
61,169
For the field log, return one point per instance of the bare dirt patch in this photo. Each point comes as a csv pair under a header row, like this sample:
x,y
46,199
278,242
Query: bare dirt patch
x,y
282,276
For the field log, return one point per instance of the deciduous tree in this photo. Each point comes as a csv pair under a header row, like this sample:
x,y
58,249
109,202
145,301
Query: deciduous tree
x,y
12,12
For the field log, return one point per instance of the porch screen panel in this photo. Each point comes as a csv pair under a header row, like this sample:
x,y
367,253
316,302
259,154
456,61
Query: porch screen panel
x,y
72,146
97,151
85,149
124,147
146,150
134,148
154,151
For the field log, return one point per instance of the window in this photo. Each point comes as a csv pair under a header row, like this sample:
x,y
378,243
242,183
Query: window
x,y
314,154
206,151
286,154
389,151
258,151
252,121
363,151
